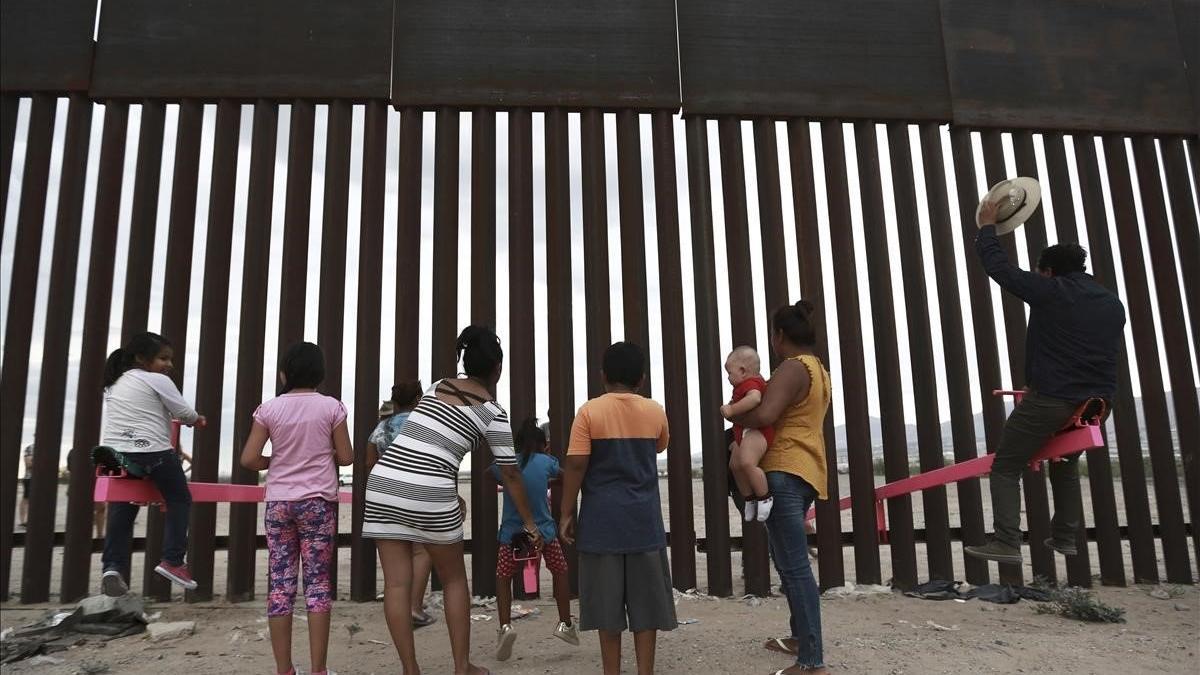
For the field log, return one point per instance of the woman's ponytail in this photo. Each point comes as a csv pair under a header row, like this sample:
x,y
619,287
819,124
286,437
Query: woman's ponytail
x,y
479,350
797,323
144,346
115,367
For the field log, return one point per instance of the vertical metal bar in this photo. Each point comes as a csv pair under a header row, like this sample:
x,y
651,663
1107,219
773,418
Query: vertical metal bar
x,y
366,349
9,105
755,568
185,184
211,371
18,334
408,244
139,267
445,244
1154,401
293,286
1129,445
1037,504
1187,239
854,377
921,351
1174,329
708,355
595,245
77,557
55,349
987,352
484,512
887,350
243,518
679,455
954,350
331,312
1099,466
522,390
633,233
812,287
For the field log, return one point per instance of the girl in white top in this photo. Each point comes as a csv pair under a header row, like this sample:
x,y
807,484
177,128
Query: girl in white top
x,y
140,400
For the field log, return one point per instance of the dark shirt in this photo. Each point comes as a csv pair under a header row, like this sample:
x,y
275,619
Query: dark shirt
x,y
1076,326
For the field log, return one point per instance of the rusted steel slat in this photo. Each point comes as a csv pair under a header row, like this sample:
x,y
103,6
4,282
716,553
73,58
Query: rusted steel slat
x,y
522,390
77,556
293,284
18,334
679,455
1174,329
708,351
484,510
139,267
887,352
854,375
408,245
987,355
366,366
52,388
211,370
9,105
445,245
633,234
1128,437
812,287
243,518
595,245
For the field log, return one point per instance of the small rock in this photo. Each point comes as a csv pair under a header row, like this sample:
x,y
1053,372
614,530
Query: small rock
x,y
170,630
1160,593
1001,643
129,603
44,660
192,653
1181,608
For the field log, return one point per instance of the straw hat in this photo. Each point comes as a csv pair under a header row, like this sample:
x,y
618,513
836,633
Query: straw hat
x,y
1018,199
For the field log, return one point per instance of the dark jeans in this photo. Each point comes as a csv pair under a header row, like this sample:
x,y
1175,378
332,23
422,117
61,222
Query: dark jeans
x,y
789,548
1032,422
165,469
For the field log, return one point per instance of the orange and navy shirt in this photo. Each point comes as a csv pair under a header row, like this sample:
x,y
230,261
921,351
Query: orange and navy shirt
x,y
620,511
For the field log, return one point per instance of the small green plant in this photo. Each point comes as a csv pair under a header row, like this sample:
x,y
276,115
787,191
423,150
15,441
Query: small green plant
x,y
1076,603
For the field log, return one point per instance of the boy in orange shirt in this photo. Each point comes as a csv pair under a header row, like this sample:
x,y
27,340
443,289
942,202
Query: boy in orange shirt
x,y
624,577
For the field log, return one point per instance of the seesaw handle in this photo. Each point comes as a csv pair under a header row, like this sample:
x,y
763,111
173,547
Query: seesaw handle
x,y
531,576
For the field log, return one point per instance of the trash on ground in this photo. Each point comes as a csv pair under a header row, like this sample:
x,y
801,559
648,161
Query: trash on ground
x,y
938,626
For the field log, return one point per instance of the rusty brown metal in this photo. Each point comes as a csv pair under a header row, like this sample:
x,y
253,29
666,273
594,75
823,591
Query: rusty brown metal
x,y
444,327
408,244
1128,438
854,375
812,287
18,335
139,266
887,349
367,338
708,354
522,390
252,326
9,106
679,455
633,234
595,245
293,284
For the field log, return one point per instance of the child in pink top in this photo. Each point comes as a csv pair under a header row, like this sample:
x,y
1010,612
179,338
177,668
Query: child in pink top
x,y
309,441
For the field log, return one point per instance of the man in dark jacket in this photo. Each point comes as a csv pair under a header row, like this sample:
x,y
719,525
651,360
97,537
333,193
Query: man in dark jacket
x,y
1073,344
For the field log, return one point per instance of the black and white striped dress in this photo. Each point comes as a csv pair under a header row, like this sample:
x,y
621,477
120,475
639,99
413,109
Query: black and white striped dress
x,y
412,493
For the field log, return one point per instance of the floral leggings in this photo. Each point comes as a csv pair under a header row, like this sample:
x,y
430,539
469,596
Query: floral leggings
x,y
300,530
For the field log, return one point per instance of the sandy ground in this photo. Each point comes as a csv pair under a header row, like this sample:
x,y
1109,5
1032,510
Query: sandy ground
x,y
874,634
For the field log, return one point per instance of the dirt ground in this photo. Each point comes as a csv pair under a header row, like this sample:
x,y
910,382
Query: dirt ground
x,y
872,634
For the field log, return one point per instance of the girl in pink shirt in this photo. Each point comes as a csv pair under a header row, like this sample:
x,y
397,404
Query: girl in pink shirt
x,y
309,441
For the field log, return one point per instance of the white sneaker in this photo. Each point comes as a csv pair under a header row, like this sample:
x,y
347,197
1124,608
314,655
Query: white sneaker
x,y
112,585
764,509
751,510
567,632
506,637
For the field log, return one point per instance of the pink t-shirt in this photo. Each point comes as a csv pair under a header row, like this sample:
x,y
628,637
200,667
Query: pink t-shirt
x,y
301,428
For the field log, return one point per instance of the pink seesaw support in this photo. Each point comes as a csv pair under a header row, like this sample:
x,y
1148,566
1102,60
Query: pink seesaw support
x,y
142,490
1078,436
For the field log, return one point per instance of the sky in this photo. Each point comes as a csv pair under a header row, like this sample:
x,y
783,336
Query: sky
x,y
419,303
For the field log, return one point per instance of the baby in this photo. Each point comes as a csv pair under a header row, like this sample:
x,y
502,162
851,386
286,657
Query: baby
x,y
743,367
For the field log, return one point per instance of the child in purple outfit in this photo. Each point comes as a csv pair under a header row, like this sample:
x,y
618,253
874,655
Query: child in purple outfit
x,y
308,438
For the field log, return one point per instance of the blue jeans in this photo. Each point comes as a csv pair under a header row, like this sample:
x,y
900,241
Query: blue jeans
x,y
166,471
789,547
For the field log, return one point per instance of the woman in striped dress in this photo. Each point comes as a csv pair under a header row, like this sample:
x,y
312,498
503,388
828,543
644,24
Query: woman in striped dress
x,y
412,492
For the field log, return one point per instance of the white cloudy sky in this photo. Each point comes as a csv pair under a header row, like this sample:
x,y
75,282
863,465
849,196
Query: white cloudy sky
x,y
420,302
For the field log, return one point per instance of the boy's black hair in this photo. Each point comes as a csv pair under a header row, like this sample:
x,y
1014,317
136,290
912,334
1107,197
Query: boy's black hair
x,y
480,351
796,323
145,346
624,363
530,441
406,394
1064,258
303,367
